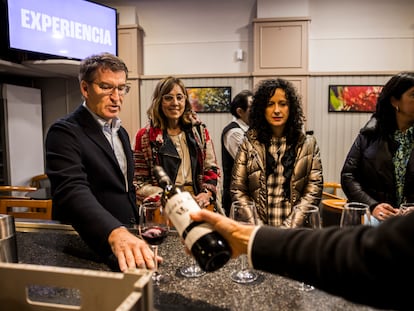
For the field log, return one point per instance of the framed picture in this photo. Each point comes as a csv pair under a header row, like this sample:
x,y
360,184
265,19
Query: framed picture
x,y
353,98
210,99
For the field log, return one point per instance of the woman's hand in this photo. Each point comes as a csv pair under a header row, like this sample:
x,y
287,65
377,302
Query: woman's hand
x,y
203,199
384,211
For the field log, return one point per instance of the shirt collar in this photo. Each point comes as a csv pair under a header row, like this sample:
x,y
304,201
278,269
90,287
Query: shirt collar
x,y
242,124
114,123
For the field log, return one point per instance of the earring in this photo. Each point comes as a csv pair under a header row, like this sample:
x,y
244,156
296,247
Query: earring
x,y
397,108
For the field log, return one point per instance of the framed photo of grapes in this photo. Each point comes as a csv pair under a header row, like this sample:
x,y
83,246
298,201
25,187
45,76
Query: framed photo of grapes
x,y
353,98
210,99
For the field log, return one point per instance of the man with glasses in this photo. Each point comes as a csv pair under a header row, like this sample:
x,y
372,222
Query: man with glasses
x,y
90,165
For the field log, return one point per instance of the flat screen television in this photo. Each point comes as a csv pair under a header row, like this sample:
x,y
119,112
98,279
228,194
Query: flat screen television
x,y
71,29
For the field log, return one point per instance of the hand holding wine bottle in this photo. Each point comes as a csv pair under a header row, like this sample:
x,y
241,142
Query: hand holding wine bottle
x,y
208,247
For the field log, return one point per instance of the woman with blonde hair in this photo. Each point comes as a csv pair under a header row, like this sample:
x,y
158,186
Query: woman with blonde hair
x,y
177,140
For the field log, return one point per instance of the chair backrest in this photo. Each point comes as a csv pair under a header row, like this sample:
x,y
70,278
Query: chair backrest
x,y
40,181
26,208
16,192
331,210
331,190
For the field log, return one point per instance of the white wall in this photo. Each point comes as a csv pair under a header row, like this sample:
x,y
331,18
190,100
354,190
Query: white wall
x,y
354,35
188,37
193,37
201,37
335,131
24,136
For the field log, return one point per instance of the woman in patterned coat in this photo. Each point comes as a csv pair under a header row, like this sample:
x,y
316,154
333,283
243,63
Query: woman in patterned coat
x,y
177,140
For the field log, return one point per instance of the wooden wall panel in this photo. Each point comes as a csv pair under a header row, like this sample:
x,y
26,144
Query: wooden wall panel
x,y
335,131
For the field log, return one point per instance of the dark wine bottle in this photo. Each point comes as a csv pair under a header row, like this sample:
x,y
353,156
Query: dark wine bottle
x,y
208,247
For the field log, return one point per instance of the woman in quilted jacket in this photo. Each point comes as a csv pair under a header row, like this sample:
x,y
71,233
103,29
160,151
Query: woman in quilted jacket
x,y
278,165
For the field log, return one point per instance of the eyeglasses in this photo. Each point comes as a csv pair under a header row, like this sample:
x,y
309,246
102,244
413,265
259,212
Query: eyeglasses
x,y
109,89
169,98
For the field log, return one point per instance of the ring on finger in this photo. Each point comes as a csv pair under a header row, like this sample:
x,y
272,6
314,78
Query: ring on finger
x,y
381,214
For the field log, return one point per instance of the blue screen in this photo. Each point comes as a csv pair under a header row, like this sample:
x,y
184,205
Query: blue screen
x,y
72,29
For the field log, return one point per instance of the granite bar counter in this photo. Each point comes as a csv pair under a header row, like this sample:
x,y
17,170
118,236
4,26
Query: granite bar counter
x,y
58,245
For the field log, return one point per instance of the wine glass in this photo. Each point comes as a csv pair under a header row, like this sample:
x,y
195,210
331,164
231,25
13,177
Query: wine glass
x,y
354,214
153,228
193,270
306,216
243,212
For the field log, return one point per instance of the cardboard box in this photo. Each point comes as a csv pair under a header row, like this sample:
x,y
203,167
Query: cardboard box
x,y
40,288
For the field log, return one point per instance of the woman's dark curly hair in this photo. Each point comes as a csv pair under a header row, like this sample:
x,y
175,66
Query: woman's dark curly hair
x,y
264,91
385,112
293,128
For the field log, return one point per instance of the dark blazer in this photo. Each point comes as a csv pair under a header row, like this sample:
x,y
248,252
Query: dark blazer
x,y
88,186
369,265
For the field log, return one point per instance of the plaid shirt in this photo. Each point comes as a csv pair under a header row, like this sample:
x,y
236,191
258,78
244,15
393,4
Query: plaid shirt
x,y
278,206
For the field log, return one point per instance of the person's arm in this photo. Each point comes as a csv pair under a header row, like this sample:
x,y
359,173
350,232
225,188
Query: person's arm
x,y
233,139
240,173
143,180
312,190
211,170
350,175
369,265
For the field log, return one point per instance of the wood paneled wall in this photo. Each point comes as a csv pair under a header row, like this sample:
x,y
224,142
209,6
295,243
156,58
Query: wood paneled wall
x,y
215,121
334,131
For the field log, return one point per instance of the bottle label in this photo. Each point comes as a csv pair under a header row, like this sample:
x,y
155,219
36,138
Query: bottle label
x,y
178,209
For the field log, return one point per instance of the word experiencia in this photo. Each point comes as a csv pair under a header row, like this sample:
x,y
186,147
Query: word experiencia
x,y
61,27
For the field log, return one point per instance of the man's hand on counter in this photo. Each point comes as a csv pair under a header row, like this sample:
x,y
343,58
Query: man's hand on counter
x,y
130,250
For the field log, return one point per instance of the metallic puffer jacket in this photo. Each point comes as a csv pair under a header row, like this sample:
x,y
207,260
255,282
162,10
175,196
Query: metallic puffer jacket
x,y
249,174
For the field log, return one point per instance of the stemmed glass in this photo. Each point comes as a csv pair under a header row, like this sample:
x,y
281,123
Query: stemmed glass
x,y
306,216
354,214
153,228
243,212
193,270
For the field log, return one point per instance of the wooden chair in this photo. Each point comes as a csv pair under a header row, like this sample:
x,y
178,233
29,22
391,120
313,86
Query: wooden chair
x,y
331,204
331,190
34,209
14,201
40,181
9,192
331,211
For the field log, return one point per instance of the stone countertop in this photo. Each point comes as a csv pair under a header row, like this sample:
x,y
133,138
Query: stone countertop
x,y
213,291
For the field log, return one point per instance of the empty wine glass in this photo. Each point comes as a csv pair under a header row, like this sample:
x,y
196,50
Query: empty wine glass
x,y
244,212
153,228
306,216
192,270
354,214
